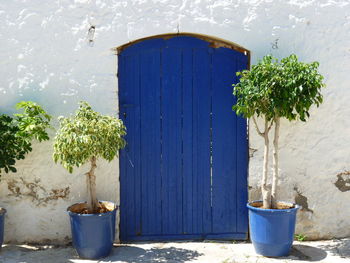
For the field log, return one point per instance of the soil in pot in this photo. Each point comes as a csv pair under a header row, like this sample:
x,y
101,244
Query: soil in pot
x,y
280,205
81,208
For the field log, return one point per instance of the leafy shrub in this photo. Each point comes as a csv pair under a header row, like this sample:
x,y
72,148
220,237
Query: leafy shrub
x,y
18,132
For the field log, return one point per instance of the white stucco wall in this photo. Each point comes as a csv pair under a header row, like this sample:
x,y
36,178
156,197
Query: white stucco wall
x,y
45,57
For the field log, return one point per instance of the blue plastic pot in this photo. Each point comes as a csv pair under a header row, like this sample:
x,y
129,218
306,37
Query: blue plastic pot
x,y
2,225
93,234
272,230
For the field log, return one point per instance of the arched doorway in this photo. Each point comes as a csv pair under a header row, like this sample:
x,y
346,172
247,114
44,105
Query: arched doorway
x,y
183,174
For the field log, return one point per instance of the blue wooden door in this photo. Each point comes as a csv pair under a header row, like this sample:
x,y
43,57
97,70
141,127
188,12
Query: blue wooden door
x,y
183,173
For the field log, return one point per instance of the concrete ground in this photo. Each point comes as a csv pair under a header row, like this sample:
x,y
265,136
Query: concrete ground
x,y
332,251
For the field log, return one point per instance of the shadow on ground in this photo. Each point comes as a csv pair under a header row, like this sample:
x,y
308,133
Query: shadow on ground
x,y
307,253
155,253
120,253
339,248
36,254
131,254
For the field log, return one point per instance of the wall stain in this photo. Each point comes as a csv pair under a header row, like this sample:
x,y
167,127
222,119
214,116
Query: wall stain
x,y
302,201
274,45
34,190
343,182
254,193
252,151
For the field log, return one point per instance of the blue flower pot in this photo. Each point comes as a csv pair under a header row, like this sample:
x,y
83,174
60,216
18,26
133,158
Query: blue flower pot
x,y
2,225
93,234
272,230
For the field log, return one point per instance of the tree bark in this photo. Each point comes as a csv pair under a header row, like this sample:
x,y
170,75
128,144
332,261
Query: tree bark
x,y
275,164
92,202
266,194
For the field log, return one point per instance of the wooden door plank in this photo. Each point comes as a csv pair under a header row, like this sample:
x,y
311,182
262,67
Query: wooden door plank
x,y
130,156
242,159
171,141
201,141
150,141
224,123
122,93
187,140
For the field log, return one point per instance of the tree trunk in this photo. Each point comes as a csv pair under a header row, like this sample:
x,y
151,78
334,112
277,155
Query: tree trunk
x,y
92,202
266,194
275,164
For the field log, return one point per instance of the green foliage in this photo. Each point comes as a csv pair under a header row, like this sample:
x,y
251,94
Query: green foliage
x,y
85,135
17,133
300,237
33,122
273,89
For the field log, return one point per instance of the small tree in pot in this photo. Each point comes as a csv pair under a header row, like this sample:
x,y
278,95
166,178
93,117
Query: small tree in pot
x,y
16,136
83,138
274,90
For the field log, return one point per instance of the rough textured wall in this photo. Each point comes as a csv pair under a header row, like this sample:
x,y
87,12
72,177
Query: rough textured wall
x,y
45,57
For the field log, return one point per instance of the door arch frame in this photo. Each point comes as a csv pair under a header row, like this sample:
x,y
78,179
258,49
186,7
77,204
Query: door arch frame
x,y
215,42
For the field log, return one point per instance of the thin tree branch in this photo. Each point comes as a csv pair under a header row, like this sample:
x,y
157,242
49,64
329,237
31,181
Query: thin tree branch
x,y
270,126
257,127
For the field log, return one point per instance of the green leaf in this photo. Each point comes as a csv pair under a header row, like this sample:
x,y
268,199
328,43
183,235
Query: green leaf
x,y
85,135
278,89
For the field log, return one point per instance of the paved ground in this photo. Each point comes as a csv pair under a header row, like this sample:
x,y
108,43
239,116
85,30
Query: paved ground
x,y
332,251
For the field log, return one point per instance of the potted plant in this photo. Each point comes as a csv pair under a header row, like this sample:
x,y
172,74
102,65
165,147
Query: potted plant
x,y
83,138
16,136
273,90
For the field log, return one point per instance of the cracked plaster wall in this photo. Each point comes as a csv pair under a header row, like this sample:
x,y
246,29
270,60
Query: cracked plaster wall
x,y
45,57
